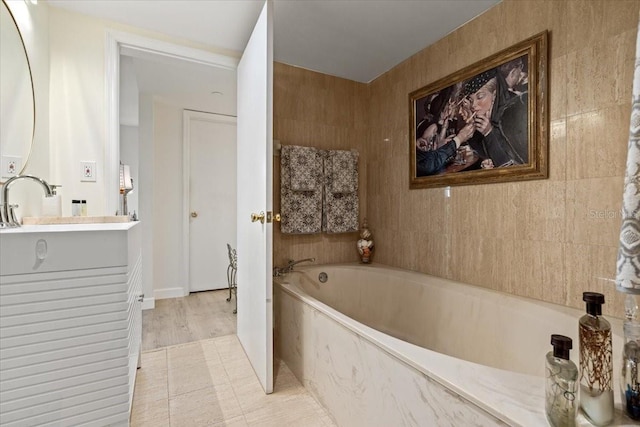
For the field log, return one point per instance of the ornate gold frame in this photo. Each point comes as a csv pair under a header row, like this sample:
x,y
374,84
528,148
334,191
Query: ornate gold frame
x,y
538,128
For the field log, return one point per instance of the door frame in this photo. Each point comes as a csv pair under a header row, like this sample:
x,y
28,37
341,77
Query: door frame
x,y
187,115
115,42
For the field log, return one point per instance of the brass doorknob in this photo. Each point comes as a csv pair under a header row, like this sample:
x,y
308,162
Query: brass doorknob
x,y
257,217
194,214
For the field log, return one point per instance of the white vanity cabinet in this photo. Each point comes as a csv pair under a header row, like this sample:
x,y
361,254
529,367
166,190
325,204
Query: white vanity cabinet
x,y
70,324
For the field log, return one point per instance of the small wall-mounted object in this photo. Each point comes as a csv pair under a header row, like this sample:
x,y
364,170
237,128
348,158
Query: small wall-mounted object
x,y
10,166
88,172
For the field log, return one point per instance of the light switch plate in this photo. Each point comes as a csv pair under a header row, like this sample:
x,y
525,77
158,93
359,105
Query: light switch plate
x,y
10,166
88,171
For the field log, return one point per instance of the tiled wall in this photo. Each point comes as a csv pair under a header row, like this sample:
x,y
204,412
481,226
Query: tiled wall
x,y
547,239
314,109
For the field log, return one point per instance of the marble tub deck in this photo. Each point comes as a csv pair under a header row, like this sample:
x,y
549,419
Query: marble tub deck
x,y
343,362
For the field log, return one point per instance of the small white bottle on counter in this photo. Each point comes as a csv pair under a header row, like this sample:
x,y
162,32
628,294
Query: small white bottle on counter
x,y
76,210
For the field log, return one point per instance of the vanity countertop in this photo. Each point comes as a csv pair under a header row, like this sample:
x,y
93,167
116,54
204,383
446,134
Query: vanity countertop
x,y
49,220
57,228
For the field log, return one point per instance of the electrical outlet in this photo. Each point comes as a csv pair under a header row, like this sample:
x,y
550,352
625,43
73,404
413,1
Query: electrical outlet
x,y
88,171
10,166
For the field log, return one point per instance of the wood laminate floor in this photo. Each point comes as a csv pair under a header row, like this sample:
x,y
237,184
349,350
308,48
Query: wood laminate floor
x,y
199,316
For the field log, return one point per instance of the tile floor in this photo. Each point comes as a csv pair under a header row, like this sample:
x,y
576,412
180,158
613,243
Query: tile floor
x,y
211,383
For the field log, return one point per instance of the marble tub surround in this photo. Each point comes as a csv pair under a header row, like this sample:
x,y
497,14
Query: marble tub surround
x,y
366,377
211,383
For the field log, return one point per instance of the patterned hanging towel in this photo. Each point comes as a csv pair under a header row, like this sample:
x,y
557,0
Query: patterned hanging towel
x,y
305,167
344,171
628,274
341,208
301,211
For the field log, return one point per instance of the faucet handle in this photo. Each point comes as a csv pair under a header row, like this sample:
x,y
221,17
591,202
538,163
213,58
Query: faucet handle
x,y
12,215
54,187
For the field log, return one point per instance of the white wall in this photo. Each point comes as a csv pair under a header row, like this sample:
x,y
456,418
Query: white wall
x,y
129,149
145,195
33,22
77,117
77,100
167,201
128,92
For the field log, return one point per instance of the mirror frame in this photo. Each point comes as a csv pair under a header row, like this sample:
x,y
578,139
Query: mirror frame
x,y
33,91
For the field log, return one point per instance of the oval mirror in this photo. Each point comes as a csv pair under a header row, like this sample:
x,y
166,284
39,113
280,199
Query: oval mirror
x,y
17,107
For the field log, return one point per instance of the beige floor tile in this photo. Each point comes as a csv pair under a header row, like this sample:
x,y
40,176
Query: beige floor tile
x,y
211,382
204,407
190,377
149,413
217,373
300,410
229,348
285,382
210,351
250,394
234,422
154,358
185,354
239,368
151,382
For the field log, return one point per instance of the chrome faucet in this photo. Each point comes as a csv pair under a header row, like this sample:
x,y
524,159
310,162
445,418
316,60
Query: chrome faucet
x,y
7,214
279,271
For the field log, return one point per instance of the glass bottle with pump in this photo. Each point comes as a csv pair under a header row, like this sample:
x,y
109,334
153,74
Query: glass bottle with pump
x,y
629,379
561,405
596,367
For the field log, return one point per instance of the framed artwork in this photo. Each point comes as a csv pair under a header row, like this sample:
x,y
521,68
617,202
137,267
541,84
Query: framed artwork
x,y
485,123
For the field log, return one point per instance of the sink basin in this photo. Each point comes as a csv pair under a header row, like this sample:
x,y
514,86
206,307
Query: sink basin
x,y
54,220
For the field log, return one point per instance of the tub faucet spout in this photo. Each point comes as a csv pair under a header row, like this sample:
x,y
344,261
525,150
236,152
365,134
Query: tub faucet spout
x,y
278,271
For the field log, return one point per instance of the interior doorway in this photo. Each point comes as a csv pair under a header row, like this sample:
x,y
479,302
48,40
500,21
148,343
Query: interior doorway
x,y
209,196
165,83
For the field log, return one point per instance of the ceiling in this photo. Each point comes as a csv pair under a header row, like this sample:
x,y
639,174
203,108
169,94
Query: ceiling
x,y
354,39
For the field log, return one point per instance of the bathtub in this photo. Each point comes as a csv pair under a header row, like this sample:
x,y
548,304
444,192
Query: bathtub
x,y
379,346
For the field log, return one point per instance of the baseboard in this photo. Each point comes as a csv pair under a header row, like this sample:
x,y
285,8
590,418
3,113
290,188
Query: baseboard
x,y
168,293
149,303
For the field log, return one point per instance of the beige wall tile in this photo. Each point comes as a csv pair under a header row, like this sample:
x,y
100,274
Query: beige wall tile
x,y
584,21
313,109
536,270
598,74
587,268
539,210
483,210
558,150
589,21
595,148
557,86
593,211
519,232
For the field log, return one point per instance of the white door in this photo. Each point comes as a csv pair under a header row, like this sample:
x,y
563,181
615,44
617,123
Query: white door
x,y
255,193
210,140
